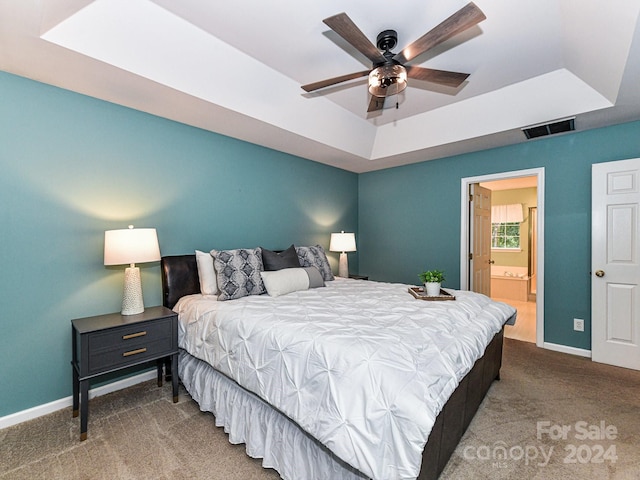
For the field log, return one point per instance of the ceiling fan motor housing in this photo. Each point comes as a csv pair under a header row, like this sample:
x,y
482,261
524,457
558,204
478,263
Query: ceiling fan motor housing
x,y
387,40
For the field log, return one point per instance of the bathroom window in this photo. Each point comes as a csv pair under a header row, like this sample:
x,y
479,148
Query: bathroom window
x,y
505,236
505,227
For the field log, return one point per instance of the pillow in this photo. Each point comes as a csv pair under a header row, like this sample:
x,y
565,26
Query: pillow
x,y
206,273
238,272
287,280
277,261
315,257
315,277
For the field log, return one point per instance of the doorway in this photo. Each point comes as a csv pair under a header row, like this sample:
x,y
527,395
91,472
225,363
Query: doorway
x,y
512,258
533,309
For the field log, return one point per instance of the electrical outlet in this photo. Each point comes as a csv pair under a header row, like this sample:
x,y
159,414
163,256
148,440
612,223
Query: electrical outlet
x,y
578,324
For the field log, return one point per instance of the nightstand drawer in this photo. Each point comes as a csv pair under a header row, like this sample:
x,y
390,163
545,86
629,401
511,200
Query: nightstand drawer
x,y
129,344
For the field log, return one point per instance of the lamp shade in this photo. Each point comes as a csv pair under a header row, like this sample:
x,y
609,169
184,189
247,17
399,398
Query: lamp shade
x,y
342,242
131,245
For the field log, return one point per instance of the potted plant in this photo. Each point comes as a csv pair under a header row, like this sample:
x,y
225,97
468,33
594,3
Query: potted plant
x,y
432,280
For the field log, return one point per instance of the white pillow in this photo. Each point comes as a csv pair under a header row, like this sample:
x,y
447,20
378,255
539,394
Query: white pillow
x,y
287,280
206,273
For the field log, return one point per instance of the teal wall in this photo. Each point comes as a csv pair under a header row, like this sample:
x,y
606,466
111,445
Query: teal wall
x,y
72,167
409,217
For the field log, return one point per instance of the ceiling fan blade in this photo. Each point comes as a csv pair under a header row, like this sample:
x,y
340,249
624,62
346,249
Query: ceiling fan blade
x,y
375,103
465,18
344,26
441,77
332,81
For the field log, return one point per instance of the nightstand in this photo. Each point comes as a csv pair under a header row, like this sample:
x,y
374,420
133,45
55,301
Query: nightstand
x,y
107,343
359,277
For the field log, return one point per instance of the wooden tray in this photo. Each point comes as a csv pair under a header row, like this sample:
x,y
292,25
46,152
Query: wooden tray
x,y
420,294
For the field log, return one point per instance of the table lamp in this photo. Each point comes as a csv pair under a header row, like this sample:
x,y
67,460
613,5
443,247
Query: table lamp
x,y
343,242
131,246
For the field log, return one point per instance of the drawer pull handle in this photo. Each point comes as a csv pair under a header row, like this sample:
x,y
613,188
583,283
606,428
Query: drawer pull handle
x,y
134,335
134,352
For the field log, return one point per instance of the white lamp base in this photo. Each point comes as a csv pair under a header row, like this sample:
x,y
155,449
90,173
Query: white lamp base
x,y
132,302
343,267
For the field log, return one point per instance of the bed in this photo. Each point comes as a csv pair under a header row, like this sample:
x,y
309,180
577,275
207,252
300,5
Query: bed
x,y
313,442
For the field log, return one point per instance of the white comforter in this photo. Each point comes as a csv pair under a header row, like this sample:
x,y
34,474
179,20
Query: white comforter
x,y
362,366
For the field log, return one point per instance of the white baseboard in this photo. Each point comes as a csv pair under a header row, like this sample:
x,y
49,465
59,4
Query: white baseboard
x,y
40,410
581,352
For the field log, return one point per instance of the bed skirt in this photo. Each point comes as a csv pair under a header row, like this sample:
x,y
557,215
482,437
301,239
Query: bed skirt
x,y
267,433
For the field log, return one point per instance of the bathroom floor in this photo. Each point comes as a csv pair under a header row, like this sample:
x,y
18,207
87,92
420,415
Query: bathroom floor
x,y
525,327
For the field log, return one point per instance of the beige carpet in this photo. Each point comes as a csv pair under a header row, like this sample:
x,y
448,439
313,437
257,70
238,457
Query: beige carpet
x,y
138,433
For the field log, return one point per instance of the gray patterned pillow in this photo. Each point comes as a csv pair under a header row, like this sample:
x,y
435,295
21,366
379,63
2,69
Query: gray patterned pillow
x,y
238,272
315,257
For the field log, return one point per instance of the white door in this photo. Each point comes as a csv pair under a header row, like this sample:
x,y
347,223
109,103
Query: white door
x,y
615,263
480,239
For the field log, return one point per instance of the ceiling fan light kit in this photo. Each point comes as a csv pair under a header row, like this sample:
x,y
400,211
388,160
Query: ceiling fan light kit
x,y
387,80
389,73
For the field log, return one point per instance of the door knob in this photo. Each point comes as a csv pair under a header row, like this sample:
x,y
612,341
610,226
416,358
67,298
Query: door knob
x,y
599,273
492,262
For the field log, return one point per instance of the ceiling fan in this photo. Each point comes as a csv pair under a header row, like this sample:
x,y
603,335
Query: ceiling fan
x,y
390,72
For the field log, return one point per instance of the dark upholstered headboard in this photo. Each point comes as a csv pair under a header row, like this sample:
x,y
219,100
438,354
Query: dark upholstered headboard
x,y
179,278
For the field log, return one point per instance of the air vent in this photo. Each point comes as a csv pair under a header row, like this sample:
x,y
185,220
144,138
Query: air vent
x,y
560,126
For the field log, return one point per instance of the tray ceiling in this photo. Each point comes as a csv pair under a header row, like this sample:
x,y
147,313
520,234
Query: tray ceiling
x,y
236,68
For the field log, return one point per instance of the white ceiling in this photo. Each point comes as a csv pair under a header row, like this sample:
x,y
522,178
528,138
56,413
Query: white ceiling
x,y
236,68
